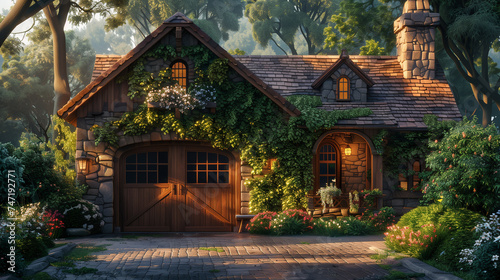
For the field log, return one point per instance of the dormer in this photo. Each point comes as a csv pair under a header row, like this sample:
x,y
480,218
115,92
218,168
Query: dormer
x,y
344,81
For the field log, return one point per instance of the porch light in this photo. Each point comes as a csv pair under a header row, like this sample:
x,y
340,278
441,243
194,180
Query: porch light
x,y
348,150
83,163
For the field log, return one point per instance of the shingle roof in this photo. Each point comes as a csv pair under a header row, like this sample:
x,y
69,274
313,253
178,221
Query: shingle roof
x,y
178,20
407,100
395,101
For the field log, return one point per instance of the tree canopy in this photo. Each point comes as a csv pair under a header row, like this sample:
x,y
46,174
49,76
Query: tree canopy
x,y
289,20
362,26
26,97
215,17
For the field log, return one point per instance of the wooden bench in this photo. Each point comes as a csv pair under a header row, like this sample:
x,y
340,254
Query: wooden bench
x,y
243,218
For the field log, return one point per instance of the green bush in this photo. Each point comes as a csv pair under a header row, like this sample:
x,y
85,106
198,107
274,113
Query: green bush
x,y
421,215
18,260
7,163
455,224
343,226
291,222
483,257
81,214
419,243
261,223
448,252
381,219
32,248
453,181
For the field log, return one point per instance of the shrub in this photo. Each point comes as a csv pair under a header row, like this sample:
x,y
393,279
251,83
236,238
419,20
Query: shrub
x,y
343,226
380,220
9,162
81,214
261,223
5,247
453,181
32,248
421,215
419,243
292,222
483,257
54,225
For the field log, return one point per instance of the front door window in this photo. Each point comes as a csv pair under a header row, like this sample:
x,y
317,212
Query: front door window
x,y
327,164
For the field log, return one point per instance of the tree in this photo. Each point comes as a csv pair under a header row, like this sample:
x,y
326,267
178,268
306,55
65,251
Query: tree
x,y
57,16
117,41
27,94
465,165
286,18
362,22
215,17
469,30
21,11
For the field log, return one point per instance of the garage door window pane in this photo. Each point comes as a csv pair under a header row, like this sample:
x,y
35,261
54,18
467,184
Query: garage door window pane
x,y
141,177
218,165
130,178
163,174
146,168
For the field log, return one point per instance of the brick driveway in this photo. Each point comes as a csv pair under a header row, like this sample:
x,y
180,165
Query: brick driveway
x,y
244,256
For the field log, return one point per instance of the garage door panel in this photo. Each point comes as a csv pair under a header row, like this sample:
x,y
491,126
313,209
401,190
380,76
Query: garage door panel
x,y
177,189
148,207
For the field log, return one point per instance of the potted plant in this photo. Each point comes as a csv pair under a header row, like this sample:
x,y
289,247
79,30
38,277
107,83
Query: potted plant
x,y
369,197
354,202
328,193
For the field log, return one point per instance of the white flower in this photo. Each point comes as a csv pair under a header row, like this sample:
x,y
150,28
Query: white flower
x,y
87,217
494,258
90,227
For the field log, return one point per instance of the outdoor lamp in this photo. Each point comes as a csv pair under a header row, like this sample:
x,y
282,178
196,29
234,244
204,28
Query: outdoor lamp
x,y
83,163
348,150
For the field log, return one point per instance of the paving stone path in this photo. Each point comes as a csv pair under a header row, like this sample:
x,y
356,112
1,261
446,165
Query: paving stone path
x,y
240,256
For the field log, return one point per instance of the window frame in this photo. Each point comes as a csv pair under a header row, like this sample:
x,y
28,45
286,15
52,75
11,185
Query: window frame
x,y
184,63
338,163
348,91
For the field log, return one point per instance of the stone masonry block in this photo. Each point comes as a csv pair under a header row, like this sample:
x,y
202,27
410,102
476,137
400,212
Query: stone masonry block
x,y
81,134
106,189
245,197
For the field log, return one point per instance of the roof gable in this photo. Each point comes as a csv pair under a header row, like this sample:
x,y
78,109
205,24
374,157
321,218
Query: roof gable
x,y
344,59
178,20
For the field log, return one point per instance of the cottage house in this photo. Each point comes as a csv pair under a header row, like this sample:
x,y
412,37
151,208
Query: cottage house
x,y
163,181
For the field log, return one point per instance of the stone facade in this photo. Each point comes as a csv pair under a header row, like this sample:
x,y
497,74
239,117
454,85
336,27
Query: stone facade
x,y
415,36
358,87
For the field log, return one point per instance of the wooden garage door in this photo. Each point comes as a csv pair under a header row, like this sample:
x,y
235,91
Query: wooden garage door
x,y
177,188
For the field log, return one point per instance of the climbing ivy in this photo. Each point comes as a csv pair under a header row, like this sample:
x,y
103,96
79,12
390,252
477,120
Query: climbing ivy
x,y
245,120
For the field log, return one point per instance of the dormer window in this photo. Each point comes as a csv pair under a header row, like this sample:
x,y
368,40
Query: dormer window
x,y
343,88
179,73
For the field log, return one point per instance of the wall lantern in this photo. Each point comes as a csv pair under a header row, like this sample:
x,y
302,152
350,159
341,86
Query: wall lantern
x,y
348,150
83,163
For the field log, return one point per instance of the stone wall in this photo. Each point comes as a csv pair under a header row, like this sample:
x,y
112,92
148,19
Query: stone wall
x,y
359,88
415,36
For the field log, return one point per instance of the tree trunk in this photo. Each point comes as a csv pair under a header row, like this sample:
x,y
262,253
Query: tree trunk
x,y
12,19
57,20
19,13
485,103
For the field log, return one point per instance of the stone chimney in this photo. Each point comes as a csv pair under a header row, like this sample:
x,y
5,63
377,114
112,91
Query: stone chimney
x,y
415,35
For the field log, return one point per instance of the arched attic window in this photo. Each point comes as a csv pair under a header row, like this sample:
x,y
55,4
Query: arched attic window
x,y
180,73
343,88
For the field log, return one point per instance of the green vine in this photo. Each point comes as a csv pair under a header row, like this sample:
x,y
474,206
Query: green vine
x,y
245,120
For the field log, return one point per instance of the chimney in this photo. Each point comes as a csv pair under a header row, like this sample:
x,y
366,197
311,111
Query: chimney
x,y
415,35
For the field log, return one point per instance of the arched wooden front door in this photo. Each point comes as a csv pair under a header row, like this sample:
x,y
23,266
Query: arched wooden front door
x,y
177,188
